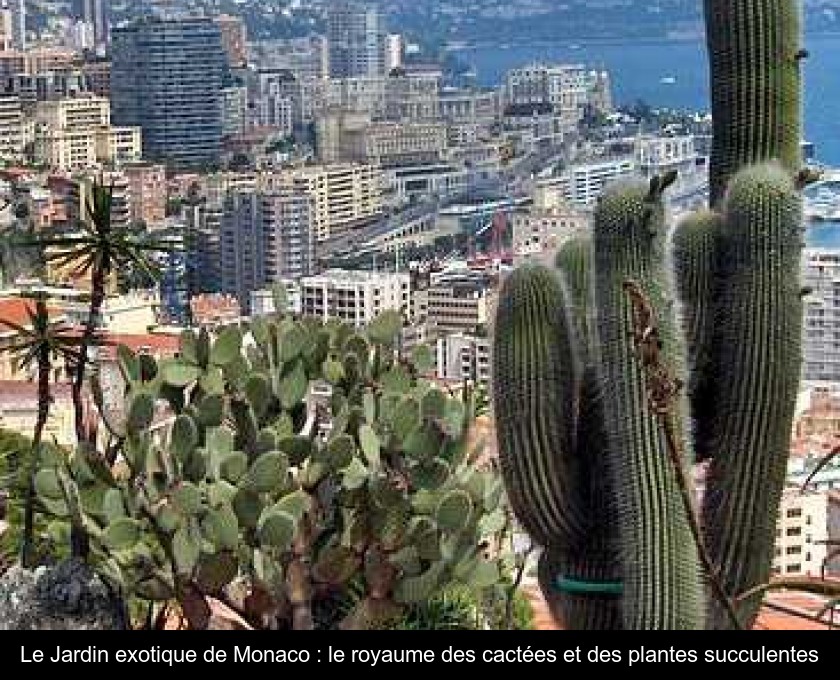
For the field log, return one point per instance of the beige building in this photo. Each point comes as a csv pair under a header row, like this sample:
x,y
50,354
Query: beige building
x,y
807,522
539,231
458,305
464,357
346,195
13,129
147,192
356,297
76,134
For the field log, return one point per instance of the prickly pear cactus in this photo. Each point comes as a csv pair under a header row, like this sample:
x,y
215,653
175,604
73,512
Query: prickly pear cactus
x,y
296,456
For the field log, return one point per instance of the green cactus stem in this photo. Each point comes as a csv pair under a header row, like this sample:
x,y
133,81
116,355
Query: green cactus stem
x,y
758,342
536,362
695,255
574,260
754,55
661,568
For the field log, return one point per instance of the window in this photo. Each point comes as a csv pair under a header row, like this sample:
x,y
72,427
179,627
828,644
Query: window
x,y
794,512
794,531
793,569
793,550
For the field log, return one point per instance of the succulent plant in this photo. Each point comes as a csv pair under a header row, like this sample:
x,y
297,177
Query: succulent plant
x,y
296,456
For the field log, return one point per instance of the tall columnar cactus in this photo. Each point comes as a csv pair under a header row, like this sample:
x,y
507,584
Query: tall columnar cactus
x,y
755,58
661,573
758,343
712,377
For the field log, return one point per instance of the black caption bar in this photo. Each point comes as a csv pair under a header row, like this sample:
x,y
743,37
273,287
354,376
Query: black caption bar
x,y
377,651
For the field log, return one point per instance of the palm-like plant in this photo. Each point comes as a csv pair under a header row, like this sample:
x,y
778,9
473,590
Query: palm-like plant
x,y
98,249
37,346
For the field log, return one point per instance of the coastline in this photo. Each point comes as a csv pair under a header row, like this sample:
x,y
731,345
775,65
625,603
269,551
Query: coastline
x,y
570,41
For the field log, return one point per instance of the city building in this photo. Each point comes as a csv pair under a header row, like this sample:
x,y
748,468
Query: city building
x,y
214,310
36,60
822,315
234,102
808,528
204,249
76,134
356,297
539,230
346,195
582,184
353,137
96,16
461,302
266,237
562,87
234,40
167,77
13,129
147,192
271,99
17,21
394,48
264,302
463,357
357,40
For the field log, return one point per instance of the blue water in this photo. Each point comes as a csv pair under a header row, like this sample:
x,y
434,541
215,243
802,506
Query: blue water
x,y
638,69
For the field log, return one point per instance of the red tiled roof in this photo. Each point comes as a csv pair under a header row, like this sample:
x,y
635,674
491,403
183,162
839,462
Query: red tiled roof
x,y
156,344
16,310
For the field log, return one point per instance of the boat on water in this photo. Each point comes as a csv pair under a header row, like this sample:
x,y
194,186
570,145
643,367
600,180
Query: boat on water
x,y
668,80
822,200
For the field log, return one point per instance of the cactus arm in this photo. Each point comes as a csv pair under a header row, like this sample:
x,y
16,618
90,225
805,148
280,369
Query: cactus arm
x,y
536,377
694,254
755,63
758,338
661,568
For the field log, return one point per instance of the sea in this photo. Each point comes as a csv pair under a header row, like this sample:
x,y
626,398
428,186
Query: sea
x,y
674,74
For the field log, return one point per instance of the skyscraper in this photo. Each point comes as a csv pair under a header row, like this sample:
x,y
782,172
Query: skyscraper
x,y
17,11
96,13
357,40
167,77
265,238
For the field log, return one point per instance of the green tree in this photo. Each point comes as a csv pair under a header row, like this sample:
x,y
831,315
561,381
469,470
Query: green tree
x,y
36,347
97,249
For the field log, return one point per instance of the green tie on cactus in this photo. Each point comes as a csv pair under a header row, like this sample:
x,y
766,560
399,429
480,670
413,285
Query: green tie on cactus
x,y
661,573
758,339
754,54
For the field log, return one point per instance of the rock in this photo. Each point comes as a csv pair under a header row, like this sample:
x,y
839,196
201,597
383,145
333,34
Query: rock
x,y
69,596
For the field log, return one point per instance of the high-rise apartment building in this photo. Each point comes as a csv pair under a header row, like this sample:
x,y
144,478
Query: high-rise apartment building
x,y
167,77
97,15
234,40
346,195
808,525
13,136
357,40
265,237
77,134
822,315
16,22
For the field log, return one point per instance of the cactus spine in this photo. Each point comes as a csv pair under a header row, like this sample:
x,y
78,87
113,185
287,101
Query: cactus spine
x,y
758,338
754,56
